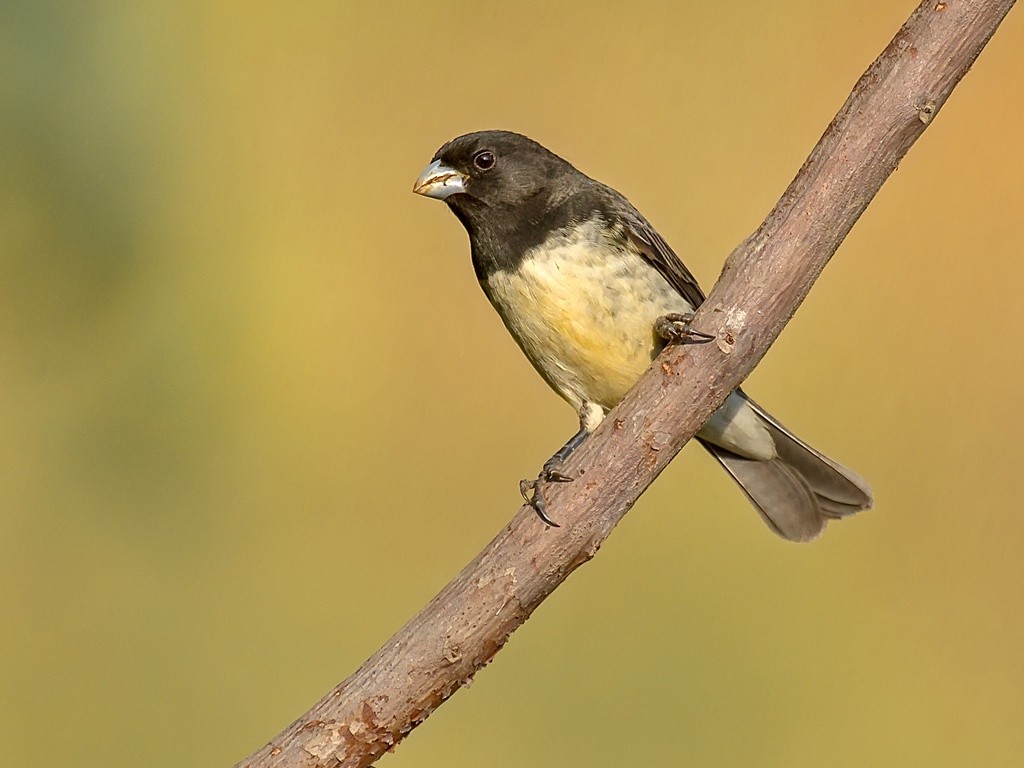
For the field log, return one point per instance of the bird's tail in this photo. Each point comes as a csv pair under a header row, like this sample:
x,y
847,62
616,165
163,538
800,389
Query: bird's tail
x,y
800,490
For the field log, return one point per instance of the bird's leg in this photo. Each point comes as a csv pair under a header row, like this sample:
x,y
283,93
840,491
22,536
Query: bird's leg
x,y
549,473
675,329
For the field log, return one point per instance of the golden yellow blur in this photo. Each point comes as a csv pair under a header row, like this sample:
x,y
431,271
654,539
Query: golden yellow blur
x,y
255,410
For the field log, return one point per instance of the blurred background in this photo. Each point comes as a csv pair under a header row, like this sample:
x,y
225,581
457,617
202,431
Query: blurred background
x,y
255,410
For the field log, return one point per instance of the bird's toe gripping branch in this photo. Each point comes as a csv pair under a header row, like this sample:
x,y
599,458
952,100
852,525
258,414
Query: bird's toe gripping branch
x,y
675,329
533,490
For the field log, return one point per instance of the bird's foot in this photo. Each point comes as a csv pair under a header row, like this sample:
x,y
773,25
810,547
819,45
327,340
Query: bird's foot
x,y
675,329
533,490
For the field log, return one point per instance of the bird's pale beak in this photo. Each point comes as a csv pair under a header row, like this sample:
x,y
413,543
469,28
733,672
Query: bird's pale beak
x,y
439,181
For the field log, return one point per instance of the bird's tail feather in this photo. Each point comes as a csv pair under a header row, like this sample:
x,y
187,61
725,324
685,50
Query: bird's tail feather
x,y
798,491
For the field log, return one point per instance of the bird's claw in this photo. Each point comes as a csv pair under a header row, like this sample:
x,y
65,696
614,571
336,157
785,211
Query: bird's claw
x,y
675,329
533,491
554,476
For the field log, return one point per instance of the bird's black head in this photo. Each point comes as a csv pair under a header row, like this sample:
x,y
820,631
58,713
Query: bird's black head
x,y
506,189
492,169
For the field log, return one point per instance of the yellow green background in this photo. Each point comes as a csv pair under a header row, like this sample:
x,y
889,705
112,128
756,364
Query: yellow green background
x,y
255,411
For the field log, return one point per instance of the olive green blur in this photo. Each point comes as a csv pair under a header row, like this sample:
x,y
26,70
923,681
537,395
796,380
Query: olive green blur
x,y
255,411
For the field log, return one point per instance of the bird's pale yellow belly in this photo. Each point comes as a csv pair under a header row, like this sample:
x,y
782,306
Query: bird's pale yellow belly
x,y
583,311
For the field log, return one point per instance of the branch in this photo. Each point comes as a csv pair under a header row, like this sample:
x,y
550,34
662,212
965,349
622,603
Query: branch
x,y
763,283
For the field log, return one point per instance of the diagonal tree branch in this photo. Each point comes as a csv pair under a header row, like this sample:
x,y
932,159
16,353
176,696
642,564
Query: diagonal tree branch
x,y
763,283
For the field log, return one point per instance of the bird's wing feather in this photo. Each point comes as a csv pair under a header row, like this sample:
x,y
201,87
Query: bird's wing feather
x,y
661,256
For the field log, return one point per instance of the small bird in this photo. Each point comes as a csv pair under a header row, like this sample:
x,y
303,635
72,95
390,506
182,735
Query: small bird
x,y
591,293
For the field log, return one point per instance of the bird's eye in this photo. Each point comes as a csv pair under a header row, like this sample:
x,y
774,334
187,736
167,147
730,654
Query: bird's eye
x,y
484,160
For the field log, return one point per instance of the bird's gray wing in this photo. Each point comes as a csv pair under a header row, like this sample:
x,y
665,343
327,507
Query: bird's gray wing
x,y
661,256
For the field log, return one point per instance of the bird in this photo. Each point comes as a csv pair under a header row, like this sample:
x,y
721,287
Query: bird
x,y
591,293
